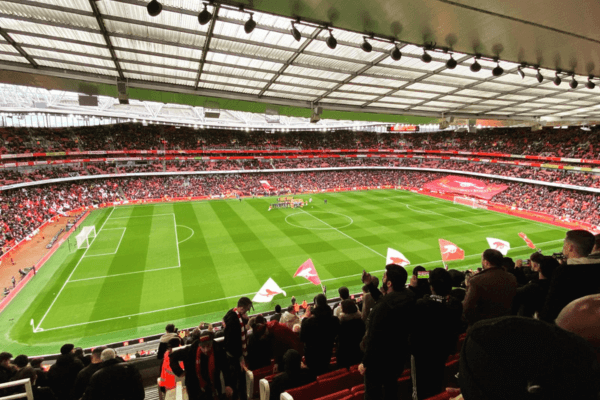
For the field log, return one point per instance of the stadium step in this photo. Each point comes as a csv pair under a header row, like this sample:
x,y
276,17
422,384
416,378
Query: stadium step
x,y
151,393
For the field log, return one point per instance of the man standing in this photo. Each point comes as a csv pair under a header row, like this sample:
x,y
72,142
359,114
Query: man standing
x,y
84,376
62,374
490,292
578,278
171,333
235,341
386,341
116,379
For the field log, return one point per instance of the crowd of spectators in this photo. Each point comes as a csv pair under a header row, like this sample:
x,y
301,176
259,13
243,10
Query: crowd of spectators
x,y
516,328
571,142
24,209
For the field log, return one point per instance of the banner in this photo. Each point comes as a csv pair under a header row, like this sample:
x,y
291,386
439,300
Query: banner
x,y
527,240
450,251
395,257
465,186
307,270
266,185
498,244
266,293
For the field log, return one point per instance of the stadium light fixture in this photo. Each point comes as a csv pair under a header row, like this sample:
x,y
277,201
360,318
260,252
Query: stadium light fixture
x,y
520,72
451,63
331,42
426,58
154,8
395,53
498,70
557,81
295,32
205,16
589,84
366,46
539,76
250,25
475,67
573,82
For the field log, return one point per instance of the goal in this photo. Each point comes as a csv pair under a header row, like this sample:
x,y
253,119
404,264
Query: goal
x,y
469,202
85,237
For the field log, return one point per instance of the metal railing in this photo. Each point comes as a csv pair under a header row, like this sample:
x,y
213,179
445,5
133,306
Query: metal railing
x,y
28,392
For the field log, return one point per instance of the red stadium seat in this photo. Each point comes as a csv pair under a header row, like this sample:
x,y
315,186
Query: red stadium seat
x,y
441,396
405,388
331,374
306,392
360,395
336,383
336,396
358,388
450,372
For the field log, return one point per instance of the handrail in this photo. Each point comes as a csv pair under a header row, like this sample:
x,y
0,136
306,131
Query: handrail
x,y
28,391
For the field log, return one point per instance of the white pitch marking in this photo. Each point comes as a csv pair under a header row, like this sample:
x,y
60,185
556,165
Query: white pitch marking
x,y
72,272
143,216
118,245
349,237
442,215
176,240
253,293
188,238
125,273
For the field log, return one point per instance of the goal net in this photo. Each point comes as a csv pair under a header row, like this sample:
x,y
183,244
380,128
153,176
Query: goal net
x,y
85,237
469,202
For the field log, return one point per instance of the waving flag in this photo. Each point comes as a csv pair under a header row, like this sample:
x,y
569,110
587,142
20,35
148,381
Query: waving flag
x,y
501,245
269,290
450,251
266,185
395,257
307,270
527,240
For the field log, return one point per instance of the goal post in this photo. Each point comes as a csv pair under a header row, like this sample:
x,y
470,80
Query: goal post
x,y
470,202
85,237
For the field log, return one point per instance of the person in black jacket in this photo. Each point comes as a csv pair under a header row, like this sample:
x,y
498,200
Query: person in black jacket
x,y
530,298
386,341
84,376
293,375
116,380
318,333
6,370
437,324
171,332
202,381
352,330
62,375
236,337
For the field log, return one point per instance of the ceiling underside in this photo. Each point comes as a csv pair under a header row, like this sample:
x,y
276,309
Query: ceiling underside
x,y
102,41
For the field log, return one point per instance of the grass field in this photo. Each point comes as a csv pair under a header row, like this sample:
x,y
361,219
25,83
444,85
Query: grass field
x,y
190,262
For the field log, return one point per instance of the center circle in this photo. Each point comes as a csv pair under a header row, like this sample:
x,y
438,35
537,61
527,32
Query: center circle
x,y
319,220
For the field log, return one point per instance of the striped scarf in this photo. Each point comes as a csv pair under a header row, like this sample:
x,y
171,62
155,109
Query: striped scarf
x,y
243,328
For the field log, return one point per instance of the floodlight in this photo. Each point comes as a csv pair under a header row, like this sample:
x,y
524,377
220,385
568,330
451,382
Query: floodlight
x,y
295,32
154,8
589,84
395,53
426,58
366,46
451,63
498,70
557,80
573,83
520,72
205,16
539,76
475,67
331,42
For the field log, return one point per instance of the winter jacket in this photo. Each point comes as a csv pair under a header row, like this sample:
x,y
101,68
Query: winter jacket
x,y
318,333
62,375
116,380
490,294
352,331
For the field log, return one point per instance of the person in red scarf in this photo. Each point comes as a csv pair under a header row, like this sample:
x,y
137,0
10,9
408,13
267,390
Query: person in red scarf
x,y
204,360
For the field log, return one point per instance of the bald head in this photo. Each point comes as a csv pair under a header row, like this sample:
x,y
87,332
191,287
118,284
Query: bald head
x,y
582,317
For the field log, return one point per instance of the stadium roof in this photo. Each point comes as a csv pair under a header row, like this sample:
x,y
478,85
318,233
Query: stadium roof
x,y
85,46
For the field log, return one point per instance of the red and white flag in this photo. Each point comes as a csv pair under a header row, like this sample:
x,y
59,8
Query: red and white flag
x,y
307,270
266,185
395,257
498,244
527,240
450,251
269,290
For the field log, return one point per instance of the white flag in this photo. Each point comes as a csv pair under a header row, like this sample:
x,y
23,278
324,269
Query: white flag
x,y
268,291
497,244
395,257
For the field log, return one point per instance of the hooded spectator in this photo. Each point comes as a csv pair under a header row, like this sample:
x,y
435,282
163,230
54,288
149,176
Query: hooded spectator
x,y
63,373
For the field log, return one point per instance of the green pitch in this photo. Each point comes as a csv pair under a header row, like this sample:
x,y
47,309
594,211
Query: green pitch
x,y
189,262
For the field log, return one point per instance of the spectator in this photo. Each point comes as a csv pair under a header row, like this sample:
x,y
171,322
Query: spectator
x,y
344,295
171,332
84,376
259,348
386,341
290,317
20,362
277,315
529,299
168,380
36,364
293,375
523,358
235,342
368,300
436,326
420,287
6,370
318,333
203,362
490,293
116,379
578,278
39,392
352,330
582,317
509,266
63,373
277,339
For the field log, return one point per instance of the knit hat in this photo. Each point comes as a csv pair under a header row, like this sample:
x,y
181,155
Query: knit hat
x,y
514,358
66,348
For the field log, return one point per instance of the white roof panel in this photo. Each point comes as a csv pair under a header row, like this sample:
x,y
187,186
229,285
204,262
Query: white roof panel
x,y
442,104
157,70
316,73
244,61
72,58
341,66
213,86
443,79
159,48
395,73
477,93
432,88
306,82
16,58
128,56
388,105
292,96
461,99
241,72
416,94
365,89
400,100
90,70
319,46
367,80
195,40
285,88
356,96
8,48
46,14
67,33
341,101
59,44
248,49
